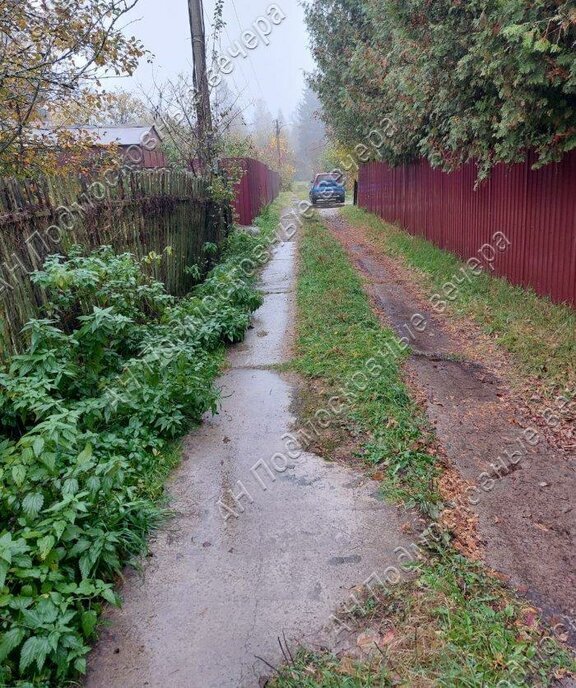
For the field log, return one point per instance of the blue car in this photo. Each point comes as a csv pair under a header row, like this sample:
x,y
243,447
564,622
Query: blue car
x,y
327,188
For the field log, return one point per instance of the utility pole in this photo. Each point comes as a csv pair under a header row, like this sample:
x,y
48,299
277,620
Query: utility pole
x,y
202,90
278,128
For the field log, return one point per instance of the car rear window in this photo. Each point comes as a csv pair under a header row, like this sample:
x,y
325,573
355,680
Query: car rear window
x,y
326,179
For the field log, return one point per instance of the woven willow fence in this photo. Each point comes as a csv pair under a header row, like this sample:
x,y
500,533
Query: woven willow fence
x,y
137,212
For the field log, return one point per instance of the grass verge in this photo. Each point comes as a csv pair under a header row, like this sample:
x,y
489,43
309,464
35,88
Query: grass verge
x,y
540,335
452,625
341,342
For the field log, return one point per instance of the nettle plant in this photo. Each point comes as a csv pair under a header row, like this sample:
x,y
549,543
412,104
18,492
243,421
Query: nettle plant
x,y
114,371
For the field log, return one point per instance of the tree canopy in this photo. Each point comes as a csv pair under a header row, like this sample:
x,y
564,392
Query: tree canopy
x,y
483,80
50,51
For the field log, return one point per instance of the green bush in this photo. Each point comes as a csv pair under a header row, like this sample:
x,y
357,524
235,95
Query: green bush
x,y
115,370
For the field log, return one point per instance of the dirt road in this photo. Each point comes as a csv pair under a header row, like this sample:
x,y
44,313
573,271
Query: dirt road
x,y
216,594
520,487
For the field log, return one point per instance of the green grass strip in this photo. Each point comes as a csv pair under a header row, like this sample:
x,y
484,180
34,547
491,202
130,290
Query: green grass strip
x,y
341,341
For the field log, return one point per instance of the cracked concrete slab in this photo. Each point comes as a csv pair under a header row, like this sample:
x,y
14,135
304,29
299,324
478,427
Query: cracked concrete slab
x,y
215,595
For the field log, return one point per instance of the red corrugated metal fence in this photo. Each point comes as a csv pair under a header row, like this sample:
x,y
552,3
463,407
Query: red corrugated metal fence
x,y
535,209
258,187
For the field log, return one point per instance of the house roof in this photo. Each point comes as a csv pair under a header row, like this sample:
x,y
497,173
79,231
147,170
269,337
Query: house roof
x,y
105,136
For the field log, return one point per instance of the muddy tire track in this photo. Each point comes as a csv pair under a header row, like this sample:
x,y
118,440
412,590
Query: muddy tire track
x,y
522,488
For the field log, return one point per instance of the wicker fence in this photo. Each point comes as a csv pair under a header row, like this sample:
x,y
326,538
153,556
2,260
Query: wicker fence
x,y
139,212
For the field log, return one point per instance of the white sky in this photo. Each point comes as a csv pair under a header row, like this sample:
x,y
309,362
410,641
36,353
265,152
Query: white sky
x,y
274,73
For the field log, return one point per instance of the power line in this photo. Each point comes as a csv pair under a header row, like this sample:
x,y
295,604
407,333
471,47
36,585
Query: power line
x,y
239,65
249,58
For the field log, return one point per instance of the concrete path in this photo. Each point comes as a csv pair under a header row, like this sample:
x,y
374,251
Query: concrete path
x,y
216,594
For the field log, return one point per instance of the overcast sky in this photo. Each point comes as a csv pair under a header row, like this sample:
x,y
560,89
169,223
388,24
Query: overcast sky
x,y
274,73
